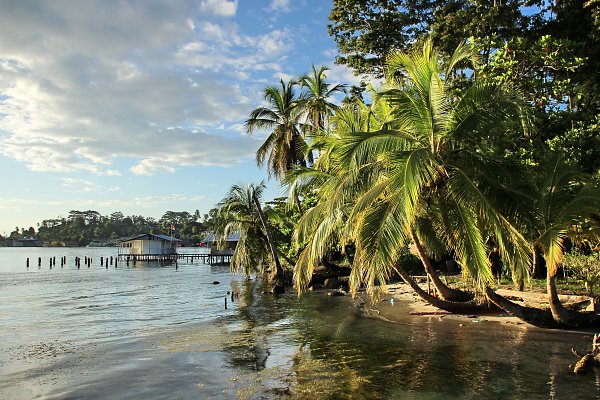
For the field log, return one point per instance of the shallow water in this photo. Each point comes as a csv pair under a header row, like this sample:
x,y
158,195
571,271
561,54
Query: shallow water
x,y
153,332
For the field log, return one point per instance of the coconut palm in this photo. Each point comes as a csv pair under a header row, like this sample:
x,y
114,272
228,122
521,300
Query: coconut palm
x,y
326,226
438,186
566,205
241,211
427,180
318,100
285,146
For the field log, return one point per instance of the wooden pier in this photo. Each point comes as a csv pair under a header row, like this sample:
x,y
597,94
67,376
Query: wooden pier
x,y
207,258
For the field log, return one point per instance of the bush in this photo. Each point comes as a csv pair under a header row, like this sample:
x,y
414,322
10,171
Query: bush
x,y
585,268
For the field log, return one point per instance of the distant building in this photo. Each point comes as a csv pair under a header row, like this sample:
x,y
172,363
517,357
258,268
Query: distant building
x,y
228,247
27,242
102,243
151,244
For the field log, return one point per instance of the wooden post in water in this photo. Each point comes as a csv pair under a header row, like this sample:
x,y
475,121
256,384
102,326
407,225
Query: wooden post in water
x,y
428,285
27,262
39,261
226,303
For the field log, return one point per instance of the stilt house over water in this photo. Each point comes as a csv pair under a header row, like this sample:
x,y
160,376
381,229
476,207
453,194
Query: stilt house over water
x,y
150,244
226,248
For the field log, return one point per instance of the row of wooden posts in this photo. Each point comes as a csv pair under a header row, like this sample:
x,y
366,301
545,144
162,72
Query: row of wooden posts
x,y
106,261
87,261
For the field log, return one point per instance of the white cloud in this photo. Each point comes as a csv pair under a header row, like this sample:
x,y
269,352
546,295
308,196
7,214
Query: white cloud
x,y
342,74
280,5
74,185
114,204
81,87
219,48
330,53
150,166
224,8
282,75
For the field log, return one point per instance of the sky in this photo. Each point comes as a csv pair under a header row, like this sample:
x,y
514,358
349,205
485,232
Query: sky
x,y
138,105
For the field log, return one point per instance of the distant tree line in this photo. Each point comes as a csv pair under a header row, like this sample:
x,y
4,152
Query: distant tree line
x,y
84,227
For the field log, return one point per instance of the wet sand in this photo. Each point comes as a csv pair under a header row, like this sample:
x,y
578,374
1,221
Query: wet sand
x,y
401,292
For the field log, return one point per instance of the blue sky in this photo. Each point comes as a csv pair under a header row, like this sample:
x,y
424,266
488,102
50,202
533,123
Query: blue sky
x,y
137,106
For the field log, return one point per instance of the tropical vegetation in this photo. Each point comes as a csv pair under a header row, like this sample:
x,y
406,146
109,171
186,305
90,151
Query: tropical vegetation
x,y
83,227
460,152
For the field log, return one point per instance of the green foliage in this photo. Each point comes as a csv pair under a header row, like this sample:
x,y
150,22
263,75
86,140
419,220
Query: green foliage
x,y
285,146
564,204
413,163
367,30
239,213
584,267
410,262
84,226
541,69
581,146
547,50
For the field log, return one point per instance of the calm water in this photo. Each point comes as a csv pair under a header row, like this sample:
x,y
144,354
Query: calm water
x,y
161,332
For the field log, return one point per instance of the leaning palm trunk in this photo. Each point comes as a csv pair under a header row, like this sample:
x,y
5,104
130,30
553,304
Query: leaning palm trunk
x,y
463,307
534,316
543,318
276,275
559,312
446,293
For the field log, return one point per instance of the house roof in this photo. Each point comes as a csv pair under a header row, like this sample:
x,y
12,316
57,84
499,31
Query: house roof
x,y
149,235
210,238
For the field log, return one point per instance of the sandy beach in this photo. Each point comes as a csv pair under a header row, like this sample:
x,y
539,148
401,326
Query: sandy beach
x,y
401,292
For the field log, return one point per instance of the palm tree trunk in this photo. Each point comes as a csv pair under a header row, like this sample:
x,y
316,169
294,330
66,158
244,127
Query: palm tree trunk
x,y
544,318
534,316
276,275
464,307
534,263
444,291
559,312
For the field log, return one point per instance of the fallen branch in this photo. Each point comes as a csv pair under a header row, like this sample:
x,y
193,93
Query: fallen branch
x,y
589,360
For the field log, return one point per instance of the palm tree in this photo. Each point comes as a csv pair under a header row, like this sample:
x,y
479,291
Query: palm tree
x,y
285,146
317,101
565,202
241,211
427,180
438,186
326,225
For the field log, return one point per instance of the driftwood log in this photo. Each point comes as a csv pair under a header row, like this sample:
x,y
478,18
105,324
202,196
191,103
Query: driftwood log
x,y
589,360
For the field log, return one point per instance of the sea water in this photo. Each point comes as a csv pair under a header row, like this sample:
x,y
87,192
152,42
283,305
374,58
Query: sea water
x,y
161,331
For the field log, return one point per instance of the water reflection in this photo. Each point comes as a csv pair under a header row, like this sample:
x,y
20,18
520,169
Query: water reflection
x,y
155,332
335,353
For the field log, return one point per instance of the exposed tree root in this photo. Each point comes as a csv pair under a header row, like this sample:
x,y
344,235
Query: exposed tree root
x,y
465,307
544,318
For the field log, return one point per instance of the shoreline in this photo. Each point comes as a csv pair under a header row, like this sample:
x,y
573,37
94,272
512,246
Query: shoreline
x,y
401,292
